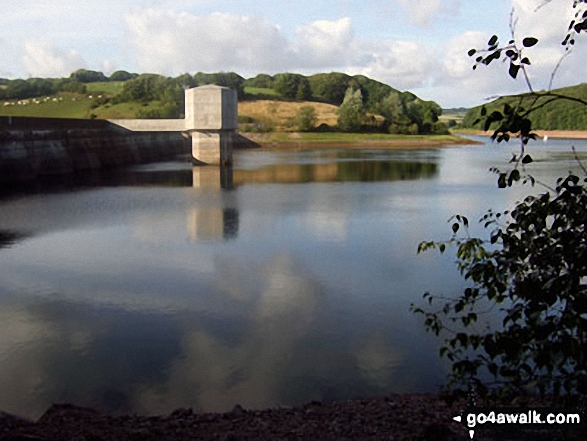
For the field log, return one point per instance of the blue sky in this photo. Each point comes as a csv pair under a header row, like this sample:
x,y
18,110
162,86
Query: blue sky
x,y
416,45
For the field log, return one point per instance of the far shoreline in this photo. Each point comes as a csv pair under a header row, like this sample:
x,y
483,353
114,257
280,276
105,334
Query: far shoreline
x,y
310,140
559,134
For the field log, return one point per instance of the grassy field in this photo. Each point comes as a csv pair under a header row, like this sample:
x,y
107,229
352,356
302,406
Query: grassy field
x,y
107,88
68,105
283,113
260,91
73,105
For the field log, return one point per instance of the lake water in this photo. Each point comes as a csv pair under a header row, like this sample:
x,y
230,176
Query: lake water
x,y
284,280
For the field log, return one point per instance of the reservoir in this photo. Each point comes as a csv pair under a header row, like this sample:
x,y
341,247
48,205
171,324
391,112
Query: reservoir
x,y
285,279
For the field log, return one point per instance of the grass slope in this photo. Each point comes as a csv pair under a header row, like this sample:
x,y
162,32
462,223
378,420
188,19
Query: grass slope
x,y
558,115
68,105
108,88
282,114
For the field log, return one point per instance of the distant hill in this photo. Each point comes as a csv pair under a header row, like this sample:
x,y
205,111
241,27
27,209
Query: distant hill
x,y
558,115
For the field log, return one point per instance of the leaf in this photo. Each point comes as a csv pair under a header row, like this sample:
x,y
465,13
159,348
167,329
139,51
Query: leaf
x,y
455,227
529,41
525,60
514,68
511,54
492,41
514,176
496,116
527,159
501,182
483,111
472,52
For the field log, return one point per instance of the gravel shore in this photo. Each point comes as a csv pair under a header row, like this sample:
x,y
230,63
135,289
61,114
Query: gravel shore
x,y
397,417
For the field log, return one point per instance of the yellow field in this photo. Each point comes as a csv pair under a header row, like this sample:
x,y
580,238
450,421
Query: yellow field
x,y
282,113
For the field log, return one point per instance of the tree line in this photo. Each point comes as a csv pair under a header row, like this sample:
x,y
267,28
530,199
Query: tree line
x,y
357,96
75,83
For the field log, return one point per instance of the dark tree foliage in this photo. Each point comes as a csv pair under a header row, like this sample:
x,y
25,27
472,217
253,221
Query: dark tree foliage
x,y
29,88
304,91
287,84
262,80
35,87
330,88
122,75
88,76
186,81
306,118
225,79
373,91
531,270
69,85
351,113
167,92
144,88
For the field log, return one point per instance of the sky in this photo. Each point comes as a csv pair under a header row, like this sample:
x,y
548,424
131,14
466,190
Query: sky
x,y
415,45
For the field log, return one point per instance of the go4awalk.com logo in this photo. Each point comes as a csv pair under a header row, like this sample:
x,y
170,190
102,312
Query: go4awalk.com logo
x,y
519,418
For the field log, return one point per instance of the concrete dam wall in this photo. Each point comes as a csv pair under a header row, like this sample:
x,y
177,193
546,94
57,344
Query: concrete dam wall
x,y
34,147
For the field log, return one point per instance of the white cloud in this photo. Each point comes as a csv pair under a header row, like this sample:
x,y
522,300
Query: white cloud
x,y
325,43
108,66
42,59
402,64
6,56
171,42
422,11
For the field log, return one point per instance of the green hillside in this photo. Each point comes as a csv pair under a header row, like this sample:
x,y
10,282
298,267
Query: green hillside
x,y
91,94
556,115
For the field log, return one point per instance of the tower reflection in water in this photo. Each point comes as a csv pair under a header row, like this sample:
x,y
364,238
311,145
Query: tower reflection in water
x,y
221,220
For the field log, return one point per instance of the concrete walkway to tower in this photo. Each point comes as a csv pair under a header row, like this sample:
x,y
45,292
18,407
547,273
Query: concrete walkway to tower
x,y
211,119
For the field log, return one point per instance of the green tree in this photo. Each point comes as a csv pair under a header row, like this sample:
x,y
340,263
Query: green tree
x,y
262,80
391,108
532,268
29,88
225,79
351,113
144,88
306,118
286,84
186,81
122,75
69,85
330,88
304,92
88,76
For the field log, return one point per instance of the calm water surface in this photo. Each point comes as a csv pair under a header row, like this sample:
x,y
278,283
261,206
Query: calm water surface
x,y
285,280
